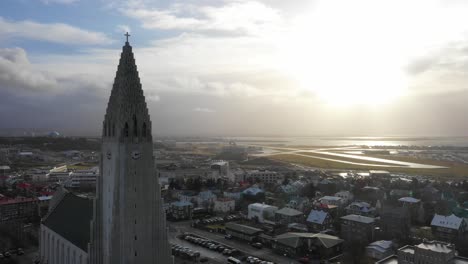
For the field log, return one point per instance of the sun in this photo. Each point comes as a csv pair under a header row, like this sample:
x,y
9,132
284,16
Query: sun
x,y
346,61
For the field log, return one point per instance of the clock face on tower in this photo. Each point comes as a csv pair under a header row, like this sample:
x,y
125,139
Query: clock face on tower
x,y
136,155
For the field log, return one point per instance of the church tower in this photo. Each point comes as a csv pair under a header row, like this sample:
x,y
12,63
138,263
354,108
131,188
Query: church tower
x,y
128,225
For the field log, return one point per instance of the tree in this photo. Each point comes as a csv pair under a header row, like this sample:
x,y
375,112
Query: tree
x,y
308,190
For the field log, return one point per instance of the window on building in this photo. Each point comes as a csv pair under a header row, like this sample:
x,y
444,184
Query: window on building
x,y
143,130
135,128
126,130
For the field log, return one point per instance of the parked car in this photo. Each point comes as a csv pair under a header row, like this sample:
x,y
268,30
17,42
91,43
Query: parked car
x,y
257,245
228,236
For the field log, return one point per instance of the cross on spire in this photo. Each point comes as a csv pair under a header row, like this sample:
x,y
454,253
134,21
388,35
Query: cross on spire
x,y
127,35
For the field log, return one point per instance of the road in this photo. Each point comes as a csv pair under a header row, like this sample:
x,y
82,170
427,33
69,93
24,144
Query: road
x,y
184,226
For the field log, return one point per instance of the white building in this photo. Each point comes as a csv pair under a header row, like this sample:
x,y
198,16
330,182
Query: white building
x,y
224,205
347,196
82,178
220,167
261,211
265,176
332,200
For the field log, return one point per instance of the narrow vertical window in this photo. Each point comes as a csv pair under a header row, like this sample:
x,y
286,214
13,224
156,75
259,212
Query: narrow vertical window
x,y
113,130
126,130
135,128
143,131
105,129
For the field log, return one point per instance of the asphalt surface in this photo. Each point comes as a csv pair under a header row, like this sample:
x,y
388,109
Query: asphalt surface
x,y
184,226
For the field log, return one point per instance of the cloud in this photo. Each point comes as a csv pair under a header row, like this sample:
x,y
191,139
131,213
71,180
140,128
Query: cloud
x,y
59,1
123,28
244,17
18,75
53,32
203,110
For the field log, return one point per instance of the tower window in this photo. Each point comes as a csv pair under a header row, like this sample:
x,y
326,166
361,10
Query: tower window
x,y
135,128
113,129
143,130
105,129
126,130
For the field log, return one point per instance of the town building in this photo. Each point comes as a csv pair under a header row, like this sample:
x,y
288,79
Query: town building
x,y
265,176
64,233
16,213
243,232
395,222
448,228
316,246
347,196
288,216
206,199
319,220
357,228
360,208
261,212
181,210
82,178
224,205
332,200
220,168
380,249
427,252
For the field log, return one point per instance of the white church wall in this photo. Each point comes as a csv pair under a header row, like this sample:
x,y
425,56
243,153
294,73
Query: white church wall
x,y
55,249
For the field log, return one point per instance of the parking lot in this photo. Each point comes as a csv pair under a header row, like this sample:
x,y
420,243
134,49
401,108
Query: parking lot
x,y
221,248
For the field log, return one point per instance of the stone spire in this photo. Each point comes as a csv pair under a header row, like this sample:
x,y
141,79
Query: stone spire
x,y
127,102
129,225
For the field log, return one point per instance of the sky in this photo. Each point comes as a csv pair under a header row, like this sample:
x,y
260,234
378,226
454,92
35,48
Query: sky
x,y
241,67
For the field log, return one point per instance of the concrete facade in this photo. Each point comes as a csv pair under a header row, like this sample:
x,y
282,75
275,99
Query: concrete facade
x,y
129,224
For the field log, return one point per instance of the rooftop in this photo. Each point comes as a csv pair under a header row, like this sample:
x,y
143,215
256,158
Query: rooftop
x,y
359,218
289,211
409,200
70,219
317,216
243,228
393,259
436,246
293,239
17,200
451,221
261,205
182,203
381,245
332,198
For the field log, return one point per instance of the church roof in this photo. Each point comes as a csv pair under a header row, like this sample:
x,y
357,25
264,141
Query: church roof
x,y
71,219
